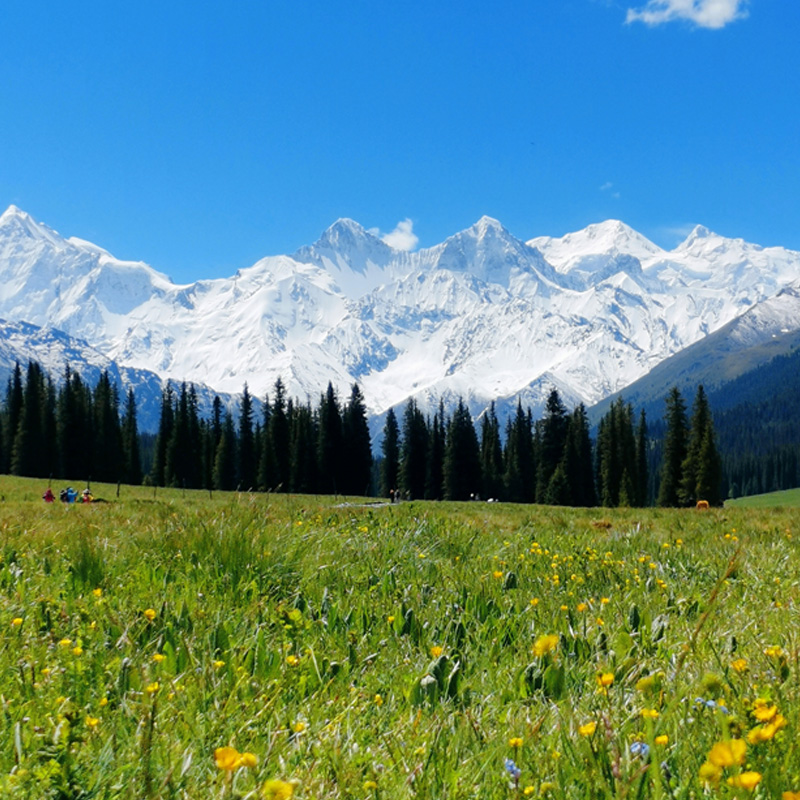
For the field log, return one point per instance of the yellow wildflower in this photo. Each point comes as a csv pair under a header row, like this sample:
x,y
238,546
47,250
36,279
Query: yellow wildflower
x,y
515,741
150,614
745,780
739,665
605,679
152,688
650,713
378,700
370,786
92,722
728,754
98,592
77,651
226,758
292,660
249,760
65,642
299,727
710,773
765,713
436,651
544,644
218,664
16,622
588,729
497,574
662,740
276,789
159,657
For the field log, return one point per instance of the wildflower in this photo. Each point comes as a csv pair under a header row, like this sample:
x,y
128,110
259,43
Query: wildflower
x,y
650,713
728,754
745,780
159,657
544,644
535,602
98,592
378,700
582,607
764,713
103,702
370,786
773,651
605,600
77,651
390,618
249,760
662,739
640,749
528,790
512,769
292,660
65,642
605,679
150,614
152,688
16,622
763,733
218,664
436,651
790,796
600,622
497,574
710,773
515,741
546,786
588,729
299,727
739,665
226,758
92,722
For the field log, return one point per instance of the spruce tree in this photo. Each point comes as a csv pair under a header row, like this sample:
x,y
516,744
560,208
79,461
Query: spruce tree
x,y
246,456
553,434
491,455
224,477
13,411
329,443
302,449
437,441
132,465
674,451
413,451
518,459
28,452
277,441
106,435
701,469
165,425
462,462
357,451
642,477
390,450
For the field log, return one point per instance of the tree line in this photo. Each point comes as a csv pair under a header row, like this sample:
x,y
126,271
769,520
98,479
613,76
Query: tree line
x,y
75,431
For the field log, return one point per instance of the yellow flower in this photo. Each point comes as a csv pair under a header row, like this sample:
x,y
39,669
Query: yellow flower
x,y
605,679
103,702
497,574
588,729
249,760
535,602
662,740
292,660
546,787
378,700
92,722
790,796
65,642
16,622
728,754
765,713
150,614
98,592
544,644
77,651
159,657
582,607
739,665
218,664
299,727
515,741
152,688
650,713
710,773
277,790
763,733
390,618
370,786
773,651
529,790
745,780
226,758
436,651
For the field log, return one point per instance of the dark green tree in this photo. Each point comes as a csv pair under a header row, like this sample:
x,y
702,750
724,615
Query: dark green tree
x,y
390,450
224,477
518,459
107,462
329,443
413,451
553,435
302,449
674,453
701,467
28,451
165,425
246,451
131,459
462,461
491,455
437,441
357,450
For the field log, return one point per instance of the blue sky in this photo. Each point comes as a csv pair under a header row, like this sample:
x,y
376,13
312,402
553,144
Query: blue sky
x,y
201,136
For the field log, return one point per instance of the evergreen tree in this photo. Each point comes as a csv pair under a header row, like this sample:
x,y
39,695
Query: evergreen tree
x,y
329,443
675,445
642,477
302,449
357,471
132,465
73,427
553,435
28,453
701,469
413,451
246,472
616,456
491,455
518,459
13,411
390,449
106,448
224,477
166,423
462,462
437,441
577,460
277,459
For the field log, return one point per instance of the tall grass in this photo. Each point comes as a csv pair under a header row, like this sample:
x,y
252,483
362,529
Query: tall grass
x,y
421,650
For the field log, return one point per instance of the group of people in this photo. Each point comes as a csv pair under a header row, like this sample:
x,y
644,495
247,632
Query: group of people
x,y
68,495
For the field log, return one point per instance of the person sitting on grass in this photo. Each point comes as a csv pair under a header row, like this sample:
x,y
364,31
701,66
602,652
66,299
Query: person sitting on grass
x,y
48,496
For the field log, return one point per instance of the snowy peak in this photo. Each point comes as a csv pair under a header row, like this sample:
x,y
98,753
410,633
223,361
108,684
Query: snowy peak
x,y
16,223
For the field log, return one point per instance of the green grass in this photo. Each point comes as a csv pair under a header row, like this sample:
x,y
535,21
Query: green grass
x,y
790,498
383,651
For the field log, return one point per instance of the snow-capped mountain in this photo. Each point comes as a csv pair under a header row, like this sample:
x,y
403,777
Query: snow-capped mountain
x,y
483,315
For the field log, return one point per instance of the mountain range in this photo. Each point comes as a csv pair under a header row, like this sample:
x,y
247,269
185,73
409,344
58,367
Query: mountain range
x,y
484,315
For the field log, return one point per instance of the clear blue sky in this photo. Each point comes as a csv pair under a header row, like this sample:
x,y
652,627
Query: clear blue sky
x,y
201,136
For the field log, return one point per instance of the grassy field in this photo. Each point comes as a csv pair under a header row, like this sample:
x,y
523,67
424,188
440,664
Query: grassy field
x,y
789,498
185,646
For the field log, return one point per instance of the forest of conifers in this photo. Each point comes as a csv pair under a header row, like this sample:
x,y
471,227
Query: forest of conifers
x,y
71,430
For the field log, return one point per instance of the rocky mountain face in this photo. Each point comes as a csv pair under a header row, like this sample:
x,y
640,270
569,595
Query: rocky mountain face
x,y
483,315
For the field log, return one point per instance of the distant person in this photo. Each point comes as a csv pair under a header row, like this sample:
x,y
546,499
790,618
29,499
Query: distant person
x,y
86,497
69,495
48,496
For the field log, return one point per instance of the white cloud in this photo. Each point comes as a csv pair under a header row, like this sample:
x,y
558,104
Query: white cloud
x,y
703,13
402,237
606,186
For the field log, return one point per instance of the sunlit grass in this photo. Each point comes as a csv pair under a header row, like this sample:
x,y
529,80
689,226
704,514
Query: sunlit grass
x,y
186,646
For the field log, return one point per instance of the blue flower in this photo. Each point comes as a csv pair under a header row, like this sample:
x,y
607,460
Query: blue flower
x,y
512,769
640,749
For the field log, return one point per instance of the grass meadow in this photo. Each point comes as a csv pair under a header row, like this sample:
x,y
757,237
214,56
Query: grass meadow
x,y
177,645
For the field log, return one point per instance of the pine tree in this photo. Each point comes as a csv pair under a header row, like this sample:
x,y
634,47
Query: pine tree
x,y
73,427
246,472
165,425
277,458
13,411
357,450
462,462
577,460
224,477
437,442
491,455
329,443
675,445
553,434
106,435
28,453
132,465
701,469
518,459
642,478
616,456
302,449
413,451
390,450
